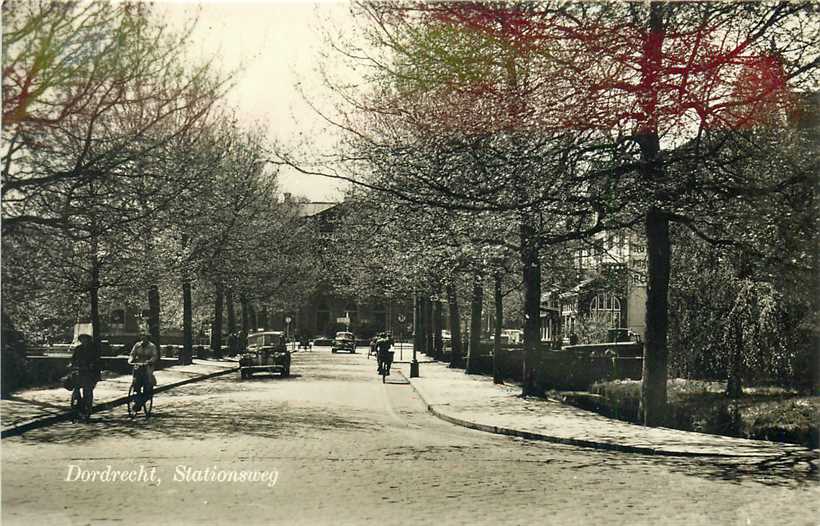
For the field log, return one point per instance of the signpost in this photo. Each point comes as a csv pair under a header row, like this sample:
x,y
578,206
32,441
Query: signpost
x,y
345,321
288,319
401,319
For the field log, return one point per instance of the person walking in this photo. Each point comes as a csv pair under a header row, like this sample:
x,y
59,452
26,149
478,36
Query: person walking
x,y
86,359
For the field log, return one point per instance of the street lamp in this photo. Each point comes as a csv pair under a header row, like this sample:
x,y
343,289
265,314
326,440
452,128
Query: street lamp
x,y
414,364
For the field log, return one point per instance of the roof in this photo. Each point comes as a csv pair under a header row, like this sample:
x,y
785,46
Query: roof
x,y
312,209
577,288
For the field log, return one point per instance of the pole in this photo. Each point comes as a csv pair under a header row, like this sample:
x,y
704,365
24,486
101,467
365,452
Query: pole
x,y
414,365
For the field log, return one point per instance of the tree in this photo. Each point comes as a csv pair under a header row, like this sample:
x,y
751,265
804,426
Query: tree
x,y
641,80
94,96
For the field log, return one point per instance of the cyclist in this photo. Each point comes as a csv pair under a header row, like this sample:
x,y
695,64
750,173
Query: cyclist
x,y
86,360
144,352
383,345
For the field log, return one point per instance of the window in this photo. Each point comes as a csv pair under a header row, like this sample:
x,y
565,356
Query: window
x,y
608,307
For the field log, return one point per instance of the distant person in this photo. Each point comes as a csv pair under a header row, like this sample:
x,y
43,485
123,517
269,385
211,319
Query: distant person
x,y
382,348
144,352
86,359
233,344
373,348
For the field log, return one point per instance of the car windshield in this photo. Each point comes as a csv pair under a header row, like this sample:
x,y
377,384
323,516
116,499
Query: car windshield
x,y
264,340
344,336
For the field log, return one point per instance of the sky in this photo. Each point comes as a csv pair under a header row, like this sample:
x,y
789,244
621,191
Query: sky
x,y
274,45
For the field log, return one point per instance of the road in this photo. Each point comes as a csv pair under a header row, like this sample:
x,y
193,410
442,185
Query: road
x,y
336,446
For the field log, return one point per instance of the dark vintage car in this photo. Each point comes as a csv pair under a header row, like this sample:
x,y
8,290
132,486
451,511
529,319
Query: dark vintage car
x,y
266,351
344,341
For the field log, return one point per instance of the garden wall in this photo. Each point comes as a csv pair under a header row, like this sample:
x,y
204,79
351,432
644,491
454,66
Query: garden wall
x,y
564,370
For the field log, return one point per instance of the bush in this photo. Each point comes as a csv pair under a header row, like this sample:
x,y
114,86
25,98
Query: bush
x,y
762,413
15,373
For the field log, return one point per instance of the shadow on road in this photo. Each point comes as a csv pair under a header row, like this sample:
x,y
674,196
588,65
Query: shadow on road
x,y
787,470
199,419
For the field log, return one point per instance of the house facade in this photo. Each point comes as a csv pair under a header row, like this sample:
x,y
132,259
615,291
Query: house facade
x,y
610,293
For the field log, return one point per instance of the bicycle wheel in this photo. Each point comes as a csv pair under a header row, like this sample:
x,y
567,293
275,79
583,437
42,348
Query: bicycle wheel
x,y
130,401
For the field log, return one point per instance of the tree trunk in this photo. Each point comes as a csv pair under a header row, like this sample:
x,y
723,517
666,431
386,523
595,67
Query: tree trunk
x,y
532,305
438,324
94,300
499,323
264,322
653,386
658,245
418,324
734,383
246,314
456,356
187,318
428,326
231,310
476,304
153,314
216,327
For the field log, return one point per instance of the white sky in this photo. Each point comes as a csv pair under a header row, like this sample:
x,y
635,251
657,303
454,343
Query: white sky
x,y
276,44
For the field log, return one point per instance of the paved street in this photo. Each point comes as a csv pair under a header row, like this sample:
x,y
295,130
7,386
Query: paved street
x,y
342,448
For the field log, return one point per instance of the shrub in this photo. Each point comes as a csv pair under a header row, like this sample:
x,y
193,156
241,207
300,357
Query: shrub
x,y
14,368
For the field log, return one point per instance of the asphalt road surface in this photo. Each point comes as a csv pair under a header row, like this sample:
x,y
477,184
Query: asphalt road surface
x,y
333,445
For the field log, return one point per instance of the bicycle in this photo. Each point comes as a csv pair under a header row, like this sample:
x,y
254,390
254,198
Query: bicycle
x,y
140,379
387,361
81,407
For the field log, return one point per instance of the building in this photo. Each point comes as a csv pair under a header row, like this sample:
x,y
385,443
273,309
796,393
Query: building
x,y
610,293
327,312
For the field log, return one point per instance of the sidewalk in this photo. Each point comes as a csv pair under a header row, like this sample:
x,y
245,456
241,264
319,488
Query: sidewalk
x,y
474,401
37,407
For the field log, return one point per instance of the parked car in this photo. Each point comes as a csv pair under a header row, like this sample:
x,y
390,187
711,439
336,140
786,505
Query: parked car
x,y
344,341
266,351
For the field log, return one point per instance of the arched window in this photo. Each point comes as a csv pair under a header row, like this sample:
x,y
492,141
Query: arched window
x,y
607,307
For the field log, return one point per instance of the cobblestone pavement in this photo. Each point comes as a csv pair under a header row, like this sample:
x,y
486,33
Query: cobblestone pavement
x,y
474,400
41,402
349,450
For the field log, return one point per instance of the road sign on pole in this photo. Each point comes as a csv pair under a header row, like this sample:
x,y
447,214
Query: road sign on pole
x,y
288,319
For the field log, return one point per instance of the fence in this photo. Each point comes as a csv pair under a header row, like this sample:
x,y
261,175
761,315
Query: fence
x,y
568,369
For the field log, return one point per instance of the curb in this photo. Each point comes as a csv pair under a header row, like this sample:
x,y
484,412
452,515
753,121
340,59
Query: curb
x,y
605,446
37,423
